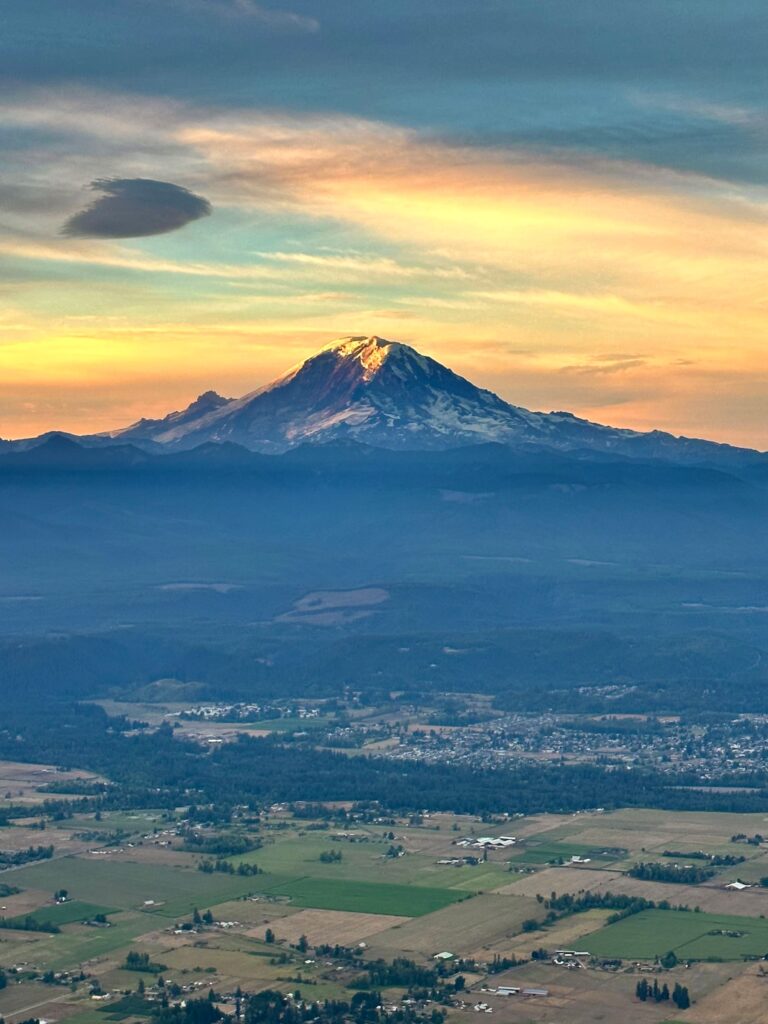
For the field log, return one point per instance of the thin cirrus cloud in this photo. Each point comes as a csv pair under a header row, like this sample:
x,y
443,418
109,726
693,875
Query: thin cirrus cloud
x,y
136,208
271,17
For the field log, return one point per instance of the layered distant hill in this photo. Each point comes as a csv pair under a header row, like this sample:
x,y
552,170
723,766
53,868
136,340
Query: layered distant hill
x,y
388,395
374,521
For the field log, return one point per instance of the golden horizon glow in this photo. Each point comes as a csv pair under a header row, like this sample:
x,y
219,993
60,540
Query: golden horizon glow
x,y
625,293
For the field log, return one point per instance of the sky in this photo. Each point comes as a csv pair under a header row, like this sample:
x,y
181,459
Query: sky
x,y
566,202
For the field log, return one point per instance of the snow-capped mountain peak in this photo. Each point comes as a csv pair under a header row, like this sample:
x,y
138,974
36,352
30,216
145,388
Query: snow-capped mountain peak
x,y
386,394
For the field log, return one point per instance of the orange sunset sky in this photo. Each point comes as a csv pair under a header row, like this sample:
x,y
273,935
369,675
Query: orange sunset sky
x,y
570,211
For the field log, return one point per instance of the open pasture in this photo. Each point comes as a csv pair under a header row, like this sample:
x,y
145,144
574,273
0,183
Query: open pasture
x,y
129,885
364,861
651,830
696,936
224,967
66,913
76,944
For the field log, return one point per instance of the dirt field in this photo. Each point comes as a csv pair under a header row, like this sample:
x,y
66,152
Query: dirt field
x,y
22,902
21,781
713,898
334,607
17,1002
470,928
559,880
252,913
19,837
331,926
569,933
584,997
743,999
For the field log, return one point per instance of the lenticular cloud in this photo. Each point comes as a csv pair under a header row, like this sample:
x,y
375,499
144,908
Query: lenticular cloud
x,y
134,208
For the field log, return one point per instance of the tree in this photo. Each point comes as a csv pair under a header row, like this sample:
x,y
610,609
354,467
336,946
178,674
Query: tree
x,y
269,936
641,990
196,918
208,917
669,960
680,997
141,988
303,944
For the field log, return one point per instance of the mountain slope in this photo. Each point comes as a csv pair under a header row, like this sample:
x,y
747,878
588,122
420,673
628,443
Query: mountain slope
x,y
387,395
367,389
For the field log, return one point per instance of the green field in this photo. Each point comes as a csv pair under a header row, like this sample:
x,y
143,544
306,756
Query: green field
x,y
176,892
543,853
364,897
654,932
79,943
128,885
366,862
65,913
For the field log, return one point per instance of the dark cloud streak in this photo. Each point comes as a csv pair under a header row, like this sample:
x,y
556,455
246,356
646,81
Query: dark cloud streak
x,y
135,208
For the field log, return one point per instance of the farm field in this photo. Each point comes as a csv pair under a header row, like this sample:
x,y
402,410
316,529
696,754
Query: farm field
x,y
690,935
23,782
332,926
67,913
365,897
548,851
367,861
130,885
466,929
401,903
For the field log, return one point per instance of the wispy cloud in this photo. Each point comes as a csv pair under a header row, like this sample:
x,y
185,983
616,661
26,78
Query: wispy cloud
x,y
601,367
373,266
271,17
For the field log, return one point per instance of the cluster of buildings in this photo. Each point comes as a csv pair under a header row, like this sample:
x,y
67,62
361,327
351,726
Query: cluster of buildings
x,y
486,842
732,747
223,712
